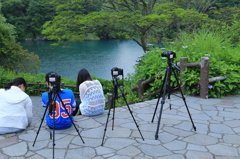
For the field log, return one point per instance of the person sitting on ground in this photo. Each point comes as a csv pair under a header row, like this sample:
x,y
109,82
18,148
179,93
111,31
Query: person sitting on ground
x,y
15,107
91,94
56,116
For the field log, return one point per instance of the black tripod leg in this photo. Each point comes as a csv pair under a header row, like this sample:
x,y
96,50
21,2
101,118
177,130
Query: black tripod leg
x,y
114,97
52,104
163,99
70,118
169,93
105,129
184,101
113,105
54,135
159,96
131,113
159,119
40,125
109,111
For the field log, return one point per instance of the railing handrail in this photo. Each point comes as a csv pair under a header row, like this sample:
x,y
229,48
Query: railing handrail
x,y
39,89
204,80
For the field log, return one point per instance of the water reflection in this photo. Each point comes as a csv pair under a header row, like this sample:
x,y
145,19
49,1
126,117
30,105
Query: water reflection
x,y
99,57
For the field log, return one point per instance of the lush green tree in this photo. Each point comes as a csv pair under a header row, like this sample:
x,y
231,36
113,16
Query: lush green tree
x,y
27,16
37,14
15,12
225,14
12,56
75,6
140,21
226,19
232,31
202,6
227,3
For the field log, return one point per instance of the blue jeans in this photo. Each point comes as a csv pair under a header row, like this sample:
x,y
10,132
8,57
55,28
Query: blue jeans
x,y
77,107
6,130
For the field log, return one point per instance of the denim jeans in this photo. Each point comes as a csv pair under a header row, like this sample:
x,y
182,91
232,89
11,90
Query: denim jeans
x,y
6,130
77,108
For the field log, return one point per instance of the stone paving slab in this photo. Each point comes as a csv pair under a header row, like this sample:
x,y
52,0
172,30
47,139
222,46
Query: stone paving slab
x,y
217,135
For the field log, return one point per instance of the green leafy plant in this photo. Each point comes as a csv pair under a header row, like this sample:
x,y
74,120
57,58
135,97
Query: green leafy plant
x,y
223,56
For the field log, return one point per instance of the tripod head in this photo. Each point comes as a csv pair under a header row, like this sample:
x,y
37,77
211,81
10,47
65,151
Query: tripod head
x,y
115,71
53,81
176,67
170,56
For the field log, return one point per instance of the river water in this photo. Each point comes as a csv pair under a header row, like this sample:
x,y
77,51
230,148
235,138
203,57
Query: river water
x,y
98,57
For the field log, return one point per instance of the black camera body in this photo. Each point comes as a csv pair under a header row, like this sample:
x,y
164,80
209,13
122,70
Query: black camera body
x,y
116,71
169,54
54,79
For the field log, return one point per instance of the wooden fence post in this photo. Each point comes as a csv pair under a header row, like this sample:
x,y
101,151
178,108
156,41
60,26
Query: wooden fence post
x,y
204,77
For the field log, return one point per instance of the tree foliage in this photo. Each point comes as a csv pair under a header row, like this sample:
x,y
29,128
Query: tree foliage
x,y
27,16
227,3
143,21
12,56
202,6
75,6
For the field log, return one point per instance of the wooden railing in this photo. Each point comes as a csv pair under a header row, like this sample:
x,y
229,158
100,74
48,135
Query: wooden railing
x,y
203,83
204,74
42,87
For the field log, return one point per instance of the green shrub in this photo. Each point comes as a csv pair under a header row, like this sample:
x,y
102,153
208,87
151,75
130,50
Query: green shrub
x,y
224,61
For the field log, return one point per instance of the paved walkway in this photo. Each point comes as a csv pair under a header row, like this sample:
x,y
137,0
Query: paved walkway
x,y
217,135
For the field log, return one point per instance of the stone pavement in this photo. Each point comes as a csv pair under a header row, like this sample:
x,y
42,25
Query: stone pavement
x,y
217,135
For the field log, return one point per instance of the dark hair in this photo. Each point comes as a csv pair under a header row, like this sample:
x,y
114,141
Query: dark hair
x,y
83,75
16,82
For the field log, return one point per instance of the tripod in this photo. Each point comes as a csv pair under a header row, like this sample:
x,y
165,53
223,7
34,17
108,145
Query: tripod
x,y
52,107
165,90
113,102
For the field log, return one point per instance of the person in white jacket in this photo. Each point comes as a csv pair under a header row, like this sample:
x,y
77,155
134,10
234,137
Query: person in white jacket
x,y
15,107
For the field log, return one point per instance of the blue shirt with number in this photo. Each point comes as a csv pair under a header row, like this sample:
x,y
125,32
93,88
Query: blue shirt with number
x,y
60,119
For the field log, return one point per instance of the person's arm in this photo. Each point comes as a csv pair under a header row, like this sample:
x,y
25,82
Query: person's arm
x,y
73,102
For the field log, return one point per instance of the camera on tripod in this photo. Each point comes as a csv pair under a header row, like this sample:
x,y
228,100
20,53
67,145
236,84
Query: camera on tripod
x,y
116,71
169,54
54,79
